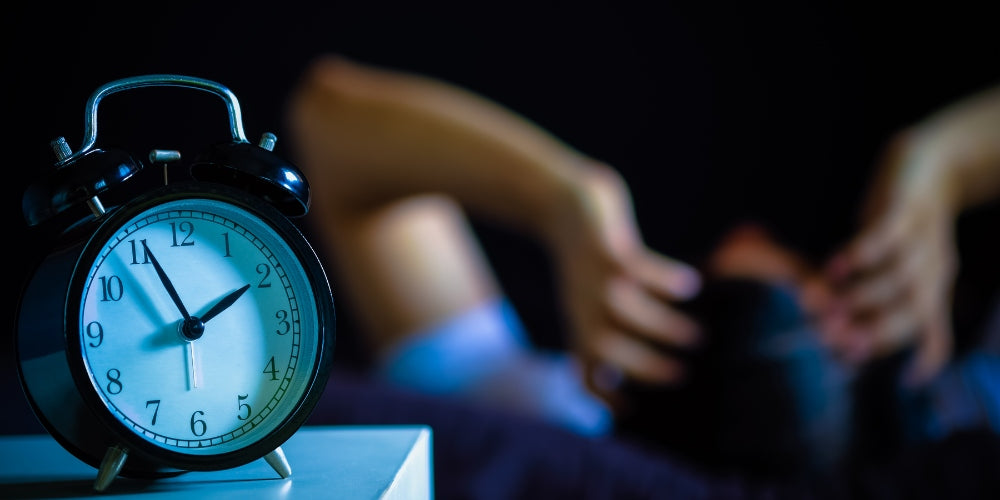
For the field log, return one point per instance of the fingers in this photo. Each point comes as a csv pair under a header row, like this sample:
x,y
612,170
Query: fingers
x,y
640,321
639,318
620,306
614,357
861,338
889,332
629,333
891,288
933,351
632,308
636,359
873,319
893,281
872,250
632,328
663,276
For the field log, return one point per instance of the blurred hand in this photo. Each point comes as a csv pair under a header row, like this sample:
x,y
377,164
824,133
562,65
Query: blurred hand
x,y
617,293
892,284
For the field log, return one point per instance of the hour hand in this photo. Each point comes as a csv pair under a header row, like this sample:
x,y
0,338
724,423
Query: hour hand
x,y
166,282
224,303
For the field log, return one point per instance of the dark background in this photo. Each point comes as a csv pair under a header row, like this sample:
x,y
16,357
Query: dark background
x,y
715,113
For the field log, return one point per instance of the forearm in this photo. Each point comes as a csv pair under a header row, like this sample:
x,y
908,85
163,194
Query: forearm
x,y
370,137
962,144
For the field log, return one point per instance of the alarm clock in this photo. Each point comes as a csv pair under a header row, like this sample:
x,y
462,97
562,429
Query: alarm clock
x,y
179,325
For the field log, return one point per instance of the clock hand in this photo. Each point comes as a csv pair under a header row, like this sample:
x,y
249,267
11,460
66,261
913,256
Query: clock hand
x,y
166,282
192,328
223,304
192,367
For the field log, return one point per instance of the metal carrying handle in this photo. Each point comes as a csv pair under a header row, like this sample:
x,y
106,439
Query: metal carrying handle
x,y
90,116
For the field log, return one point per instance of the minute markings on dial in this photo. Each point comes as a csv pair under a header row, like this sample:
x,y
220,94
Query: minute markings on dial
x,y
248,245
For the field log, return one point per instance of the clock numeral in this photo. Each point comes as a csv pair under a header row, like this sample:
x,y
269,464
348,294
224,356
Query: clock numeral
x,y
198,426
265,271
270,369
225,236
242,405
96,332
112,288
187,229
114,381
283,323
135,253
156,408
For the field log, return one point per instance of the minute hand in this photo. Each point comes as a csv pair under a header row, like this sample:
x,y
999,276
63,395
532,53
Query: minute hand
x,y
166,282
223,304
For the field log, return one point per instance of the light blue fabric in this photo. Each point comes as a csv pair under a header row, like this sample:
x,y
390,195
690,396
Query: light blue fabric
x,y
484,355
967,395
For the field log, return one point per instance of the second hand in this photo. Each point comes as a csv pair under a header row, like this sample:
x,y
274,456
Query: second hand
x,y
193,366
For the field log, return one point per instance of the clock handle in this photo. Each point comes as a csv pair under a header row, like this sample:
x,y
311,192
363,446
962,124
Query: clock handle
x,y
163,80
111,465
276,459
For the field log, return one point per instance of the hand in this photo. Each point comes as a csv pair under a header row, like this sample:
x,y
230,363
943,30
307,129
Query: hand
x,y
895,278
194,327
616,292
224,303
892,284
166,282
191,328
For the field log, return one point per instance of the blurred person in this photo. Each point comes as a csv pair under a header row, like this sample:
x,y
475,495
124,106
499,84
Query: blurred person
x,y
398,160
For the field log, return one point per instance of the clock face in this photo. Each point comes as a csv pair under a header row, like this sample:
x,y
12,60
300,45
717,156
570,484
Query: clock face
x,y
199,327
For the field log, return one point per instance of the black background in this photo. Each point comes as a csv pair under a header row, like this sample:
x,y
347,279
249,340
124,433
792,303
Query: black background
x,y
714,112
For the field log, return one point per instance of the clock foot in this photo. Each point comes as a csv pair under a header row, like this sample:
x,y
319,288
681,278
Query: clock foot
x,y
112,463
276,459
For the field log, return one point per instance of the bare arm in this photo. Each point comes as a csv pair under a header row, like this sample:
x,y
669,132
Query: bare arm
x,y
396,134
371,139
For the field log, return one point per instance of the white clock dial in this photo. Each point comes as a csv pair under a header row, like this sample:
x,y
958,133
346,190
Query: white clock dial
x,y
214,390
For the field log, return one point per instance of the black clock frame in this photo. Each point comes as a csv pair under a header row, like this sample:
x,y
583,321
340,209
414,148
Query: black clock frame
x,y
57,285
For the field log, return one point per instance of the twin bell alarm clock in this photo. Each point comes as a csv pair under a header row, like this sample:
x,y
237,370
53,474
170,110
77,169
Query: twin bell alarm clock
x,y
186,325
